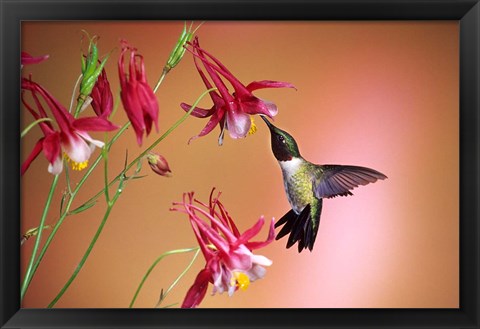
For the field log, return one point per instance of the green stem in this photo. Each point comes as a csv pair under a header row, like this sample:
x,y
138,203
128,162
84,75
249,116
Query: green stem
x,y
72,196
90,170
67,176
105,171
122,174
179,277
29,272
155,143
33,124
89,249
33,265
150,269
160,80
80,103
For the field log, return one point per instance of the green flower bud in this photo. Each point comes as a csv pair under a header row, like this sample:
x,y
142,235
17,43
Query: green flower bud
x,y
91,67
179,49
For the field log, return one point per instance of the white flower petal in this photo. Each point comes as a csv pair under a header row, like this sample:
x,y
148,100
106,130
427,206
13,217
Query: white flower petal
x,y
261,260
256,272
77,149
57,166
271,107
89,139
238,124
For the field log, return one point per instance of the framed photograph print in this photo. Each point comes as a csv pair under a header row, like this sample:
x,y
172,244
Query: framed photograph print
x,y
243,164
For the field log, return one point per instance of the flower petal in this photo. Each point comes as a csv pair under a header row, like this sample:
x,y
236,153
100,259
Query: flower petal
x,y
217,117
255,105
198,290
256,272
198,111
27,59
238,123
93,124
76,148
257,244
32,156
261,260
251,232
51,147
56,167
90,140
254,85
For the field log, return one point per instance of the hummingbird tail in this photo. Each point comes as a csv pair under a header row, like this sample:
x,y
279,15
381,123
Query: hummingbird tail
x,y
301,227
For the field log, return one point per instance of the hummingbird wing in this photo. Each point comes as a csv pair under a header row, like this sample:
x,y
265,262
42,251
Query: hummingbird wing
x,y
303,227
338,180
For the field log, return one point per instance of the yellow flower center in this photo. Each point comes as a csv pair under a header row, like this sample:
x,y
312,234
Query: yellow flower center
x,y
253,127
241,280
78,166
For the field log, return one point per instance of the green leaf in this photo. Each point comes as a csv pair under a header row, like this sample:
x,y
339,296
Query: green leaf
x,y
82,208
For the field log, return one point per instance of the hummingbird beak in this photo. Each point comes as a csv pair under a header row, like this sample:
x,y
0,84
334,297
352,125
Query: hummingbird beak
x,y
267,122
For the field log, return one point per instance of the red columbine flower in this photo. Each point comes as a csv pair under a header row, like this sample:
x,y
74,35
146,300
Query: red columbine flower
x,y
138,98
102,98
72,138
29,59
231,110
230,263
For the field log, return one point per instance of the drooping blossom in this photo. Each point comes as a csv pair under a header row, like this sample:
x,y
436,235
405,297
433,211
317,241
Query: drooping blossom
x,y
158,164
138,98
231,110
71,140
230,262
27,59
102,98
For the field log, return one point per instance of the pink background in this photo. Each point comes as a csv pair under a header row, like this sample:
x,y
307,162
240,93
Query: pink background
x,y
377,94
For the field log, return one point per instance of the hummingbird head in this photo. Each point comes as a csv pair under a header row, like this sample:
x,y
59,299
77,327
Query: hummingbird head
x,y
284,147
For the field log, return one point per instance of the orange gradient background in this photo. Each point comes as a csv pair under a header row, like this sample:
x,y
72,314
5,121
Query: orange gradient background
x,y
378,94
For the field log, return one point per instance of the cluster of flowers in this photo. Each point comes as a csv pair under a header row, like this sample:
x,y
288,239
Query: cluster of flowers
x,y
230,262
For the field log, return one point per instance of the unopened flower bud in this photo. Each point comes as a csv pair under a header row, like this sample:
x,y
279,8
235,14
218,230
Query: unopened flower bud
x,y
91,68
179,49
158,164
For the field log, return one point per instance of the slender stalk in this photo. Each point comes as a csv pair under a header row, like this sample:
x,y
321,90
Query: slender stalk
x,y
112,202
160,80
150,269
29,273
90,247
72,197
73,92
179,277
105,172
33,124
67,176
33,265
155,143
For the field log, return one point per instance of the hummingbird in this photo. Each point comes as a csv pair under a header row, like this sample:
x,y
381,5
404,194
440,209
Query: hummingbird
x,y
307,184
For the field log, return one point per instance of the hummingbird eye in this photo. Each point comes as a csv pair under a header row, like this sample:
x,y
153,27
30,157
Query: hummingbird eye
x,y
281,138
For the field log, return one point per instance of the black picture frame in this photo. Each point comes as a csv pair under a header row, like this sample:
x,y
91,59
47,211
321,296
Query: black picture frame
x,y
13,12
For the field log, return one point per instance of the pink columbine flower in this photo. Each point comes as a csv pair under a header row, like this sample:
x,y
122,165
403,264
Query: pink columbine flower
x,y
72,138
231,111
102,98
138,98
230,262
27,59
